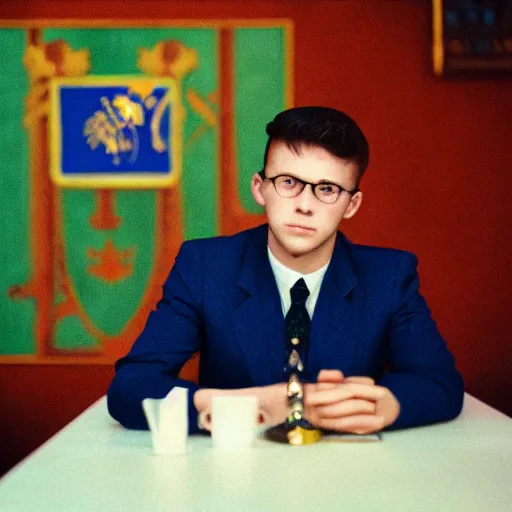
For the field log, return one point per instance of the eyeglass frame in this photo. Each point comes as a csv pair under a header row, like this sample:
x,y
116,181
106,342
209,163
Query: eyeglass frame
x,y
262,175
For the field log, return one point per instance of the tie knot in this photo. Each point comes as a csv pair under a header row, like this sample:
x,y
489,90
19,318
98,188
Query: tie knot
x,y
299,292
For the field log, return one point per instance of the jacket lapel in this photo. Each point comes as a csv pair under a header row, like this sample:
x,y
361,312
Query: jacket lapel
x,y
259,321
334,329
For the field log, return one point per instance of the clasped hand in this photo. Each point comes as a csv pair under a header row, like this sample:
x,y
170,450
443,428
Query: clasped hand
x,y
353,404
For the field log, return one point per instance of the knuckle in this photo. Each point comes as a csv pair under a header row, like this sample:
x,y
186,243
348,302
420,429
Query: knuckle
x,y
382,390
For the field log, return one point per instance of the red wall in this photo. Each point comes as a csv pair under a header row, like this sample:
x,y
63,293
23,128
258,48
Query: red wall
x,y
437,184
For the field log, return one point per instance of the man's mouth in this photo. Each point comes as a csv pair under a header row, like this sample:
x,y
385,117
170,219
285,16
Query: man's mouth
x,y
300,229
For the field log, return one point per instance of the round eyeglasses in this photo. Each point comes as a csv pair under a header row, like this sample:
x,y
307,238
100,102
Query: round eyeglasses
x,y
290,186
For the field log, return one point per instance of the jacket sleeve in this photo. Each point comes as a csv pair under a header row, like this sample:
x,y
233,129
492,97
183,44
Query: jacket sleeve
x,y
172,334
421,370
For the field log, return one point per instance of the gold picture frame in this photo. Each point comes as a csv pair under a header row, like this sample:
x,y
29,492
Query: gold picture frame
x,y
114,179
472,37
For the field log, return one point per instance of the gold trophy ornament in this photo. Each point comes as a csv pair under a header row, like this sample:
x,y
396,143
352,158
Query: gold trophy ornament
x,y
296,429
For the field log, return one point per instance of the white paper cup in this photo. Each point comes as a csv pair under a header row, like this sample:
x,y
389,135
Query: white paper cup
x,y
168,421
234,421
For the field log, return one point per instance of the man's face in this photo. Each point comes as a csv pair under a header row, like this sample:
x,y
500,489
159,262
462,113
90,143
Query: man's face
x,y
303,224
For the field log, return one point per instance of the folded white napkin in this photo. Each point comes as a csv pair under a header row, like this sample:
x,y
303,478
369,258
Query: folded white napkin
x,y
168,421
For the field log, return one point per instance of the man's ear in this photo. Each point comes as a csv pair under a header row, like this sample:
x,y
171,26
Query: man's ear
x,y
256,184
353,206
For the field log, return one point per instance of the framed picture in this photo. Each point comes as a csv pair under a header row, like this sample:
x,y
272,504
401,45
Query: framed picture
x,y
122,139
115,132
472,37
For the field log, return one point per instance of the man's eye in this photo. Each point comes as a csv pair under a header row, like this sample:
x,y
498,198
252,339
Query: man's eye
x,y
288,181
327,189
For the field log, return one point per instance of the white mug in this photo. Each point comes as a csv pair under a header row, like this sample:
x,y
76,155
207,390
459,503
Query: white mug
x,y
234,421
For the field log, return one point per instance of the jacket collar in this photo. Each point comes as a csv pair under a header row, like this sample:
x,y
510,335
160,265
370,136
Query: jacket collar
x,y
256,267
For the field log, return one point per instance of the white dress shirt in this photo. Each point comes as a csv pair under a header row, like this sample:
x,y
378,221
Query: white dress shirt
x,y
286,278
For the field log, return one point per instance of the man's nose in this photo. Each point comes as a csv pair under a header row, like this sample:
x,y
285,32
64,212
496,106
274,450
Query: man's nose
x,y
306,200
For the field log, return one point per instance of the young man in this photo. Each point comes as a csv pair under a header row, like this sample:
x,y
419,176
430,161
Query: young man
x,y
372,356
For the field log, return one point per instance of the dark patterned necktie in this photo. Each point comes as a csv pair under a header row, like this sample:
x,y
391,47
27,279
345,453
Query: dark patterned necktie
x,y
298,327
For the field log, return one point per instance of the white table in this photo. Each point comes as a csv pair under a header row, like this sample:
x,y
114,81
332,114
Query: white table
x,y
95,465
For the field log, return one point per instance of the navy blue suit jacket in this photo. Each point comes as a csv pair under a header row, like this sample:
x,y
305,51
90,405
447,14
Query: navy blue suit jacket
x,y
221,299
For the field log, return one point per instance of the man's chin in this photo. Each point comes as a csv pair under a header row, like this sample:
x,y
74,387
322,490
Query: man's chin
x,y
298,249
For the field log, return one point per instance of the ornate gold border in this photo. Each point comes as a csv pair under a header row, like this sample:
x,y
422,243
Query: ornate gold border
x,y
151,23
437,42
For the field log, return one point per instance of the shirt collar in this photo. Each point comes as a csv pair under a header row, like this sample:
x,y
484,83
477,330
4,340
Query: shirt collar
x,y
286,277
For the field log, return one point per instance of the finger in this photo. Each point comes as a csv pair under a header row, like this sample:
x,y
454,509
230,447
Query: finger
x,y
363,424
205,420
322,386
345,408
313,387
360,380
344,392
330,376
